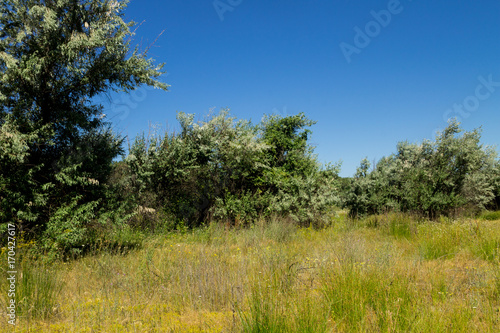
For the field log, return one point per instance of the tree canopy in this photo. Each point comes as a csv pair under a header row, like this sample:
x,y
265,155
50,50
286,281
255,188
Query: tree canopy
x,y
55,57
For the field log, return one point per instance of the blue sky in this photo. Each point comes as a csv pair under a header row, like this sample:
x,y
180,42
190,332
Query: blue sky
x,y
371,73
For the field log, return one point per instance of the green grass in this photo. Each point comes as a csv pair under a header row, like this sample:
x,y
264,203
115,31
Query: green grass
x,y
490,216
37,291
441,240
389,273
394,224
365,297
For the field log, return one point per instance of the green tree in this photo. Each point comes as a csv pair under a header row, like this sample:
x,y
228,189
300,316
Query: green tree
x,y
232,170
299,186
357,190
287,138
55,57
454,172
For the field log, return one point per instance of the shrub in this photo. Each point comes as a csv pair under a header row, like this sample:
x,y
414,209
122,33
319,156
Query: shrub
x,y
453,173
231,170
490,216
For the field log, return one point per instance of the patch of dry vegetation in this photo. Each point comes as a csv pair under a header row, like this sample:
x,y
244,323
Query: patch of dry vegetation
x,y
395,275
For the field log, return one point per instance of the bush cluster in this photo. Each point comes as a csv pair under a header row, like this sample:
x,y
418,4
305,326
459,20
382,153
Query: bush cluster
x,y
450,175
227,170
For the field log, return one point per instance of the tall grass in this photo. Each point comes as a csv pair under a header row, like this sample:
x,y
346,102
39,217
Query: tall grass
x,y
485,242
490,215
395,224
441,240
398,275
269,311
37,293
364,297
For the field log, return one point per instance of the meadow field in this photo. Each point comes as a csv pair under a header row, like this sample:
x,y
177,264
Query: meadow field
x,y
385,273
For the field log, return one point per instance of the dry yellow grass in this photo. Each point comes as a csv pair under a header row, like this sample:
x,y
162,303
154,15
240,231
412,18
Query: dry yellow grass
x,y
275,277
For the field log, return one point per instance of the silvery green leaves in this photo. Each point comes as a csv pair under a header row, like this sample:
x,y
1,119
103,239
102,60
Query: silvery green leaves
x,y
234,171
55,58
21,195
454,172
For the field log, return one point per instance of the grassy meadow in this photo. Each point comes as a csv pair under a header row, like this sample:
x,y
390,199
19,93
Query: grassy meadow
x,y
387,273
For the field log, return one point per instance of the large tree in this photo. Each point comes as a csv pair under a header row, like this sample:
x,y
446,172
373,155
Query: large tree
x,y
55,57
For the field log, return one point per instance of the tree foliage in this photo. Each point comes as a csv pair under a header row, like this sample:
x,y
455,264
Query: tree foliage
x,y
232,170
431,178
55,57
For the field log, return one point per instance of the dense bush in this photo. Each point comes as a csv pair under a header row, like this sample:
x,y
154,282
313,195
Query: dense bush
x,y
431,178
21,194
231,170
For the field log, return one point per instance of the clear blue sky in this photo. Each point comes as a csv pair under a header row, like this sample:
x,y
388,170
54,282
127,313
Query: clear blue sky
x,y
371,73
